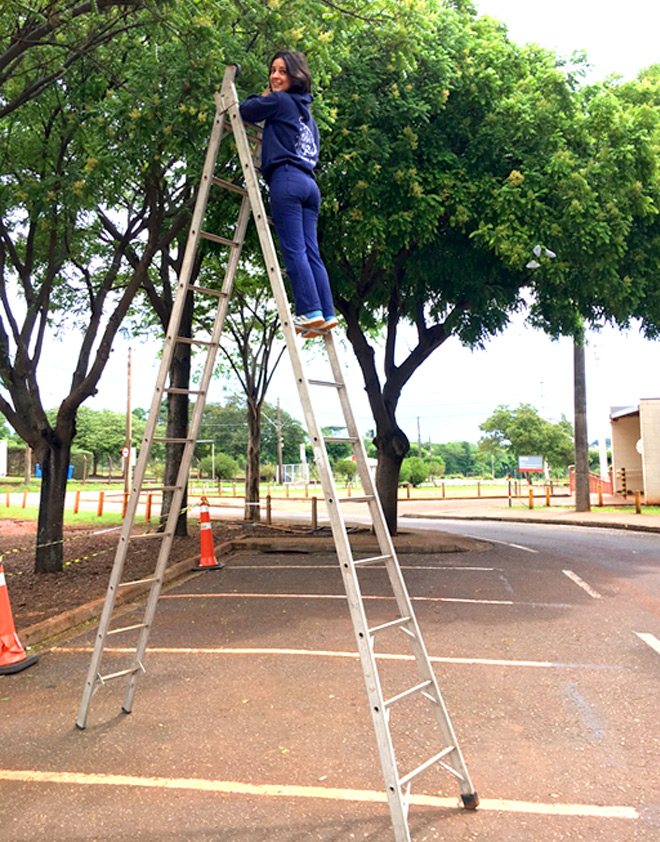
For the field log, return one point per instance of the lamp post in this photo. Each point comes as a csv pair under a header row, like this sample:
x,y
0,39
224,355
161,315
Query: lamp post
x,y
581,440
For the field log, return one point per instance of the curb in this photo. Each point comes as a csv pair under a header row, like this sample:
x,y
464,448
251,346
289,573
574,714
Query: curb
x,y
630,527
61,623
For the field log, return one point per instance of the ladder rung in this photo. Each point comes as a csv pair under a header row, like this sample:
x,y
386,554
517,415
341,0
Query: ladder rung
x,y
407,778
416,689
111,675
171,440
137,582
186,340
150,535
367,499
127,628
227,185
216,238
375,559
325,383
173,390
400,622
341,439
207,291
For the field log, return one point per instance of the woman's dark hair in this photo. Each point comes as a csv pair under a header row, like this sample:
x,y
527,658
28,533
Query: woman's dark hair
x,y
298,70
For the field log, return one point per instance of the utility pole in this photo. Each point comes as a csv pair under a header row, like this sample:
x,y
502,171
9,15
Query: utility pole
x,y
582,497
419,440
129,429
280,466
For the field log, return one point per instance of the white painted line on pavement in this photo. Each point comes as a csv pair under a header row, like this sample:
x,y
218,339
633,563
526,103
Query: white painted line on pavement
x,y
329,653
233,568
505,543
650,639
290,791
582,584
364,596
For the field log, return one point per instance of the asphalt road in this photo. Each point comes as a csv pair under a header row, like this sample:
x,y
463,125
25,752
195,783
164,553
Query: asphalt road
x,y
251,723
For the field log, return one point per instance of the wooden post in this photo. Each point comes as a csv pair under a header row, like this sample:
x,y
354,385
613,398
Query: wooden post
x,y
25,494
76,502
286,490
306,490
7,499
269,510
531,498
348,490
233,488
147,511
509,493
443,489
408,491
638,502
315,517
478,488
600,493
99,510
547,495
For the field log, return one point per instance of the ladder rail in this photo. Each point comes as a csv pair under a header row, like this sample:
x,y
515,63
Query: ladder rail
x,y
404,603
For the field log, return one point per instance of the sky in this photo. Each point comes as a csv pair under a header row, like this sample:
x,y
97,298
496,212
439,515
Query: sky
x,y
457,389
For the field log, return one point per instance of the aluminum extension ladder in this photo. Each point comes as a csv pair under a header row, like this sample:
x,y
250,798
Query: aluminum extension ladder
x,y
449,757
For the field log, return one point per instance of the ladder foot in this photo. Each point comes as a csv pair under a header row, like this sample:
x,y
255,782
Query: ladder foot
x,y
80,727
123,710
470,801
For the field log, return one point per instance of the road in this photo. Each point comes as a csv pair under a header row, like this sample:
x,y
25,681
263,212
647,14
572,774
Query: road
x,y
250,723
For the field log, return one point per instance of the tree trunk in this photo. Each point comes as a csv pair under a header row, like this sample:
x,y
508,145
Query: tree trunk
x,y
54,461
393,445
177,422
28,465
252,513
582,496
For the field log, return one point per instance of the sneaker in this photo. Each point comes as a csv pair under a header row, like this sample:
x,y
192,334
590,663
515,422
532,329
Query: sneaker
x,y
308,320
329,323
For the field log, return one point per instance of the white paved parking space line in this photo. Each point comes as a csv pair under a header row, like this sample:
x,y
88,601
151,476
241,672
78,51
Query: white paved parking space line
x,y
505,543
36,776
582,584
460,600
650,639
334,653
237,568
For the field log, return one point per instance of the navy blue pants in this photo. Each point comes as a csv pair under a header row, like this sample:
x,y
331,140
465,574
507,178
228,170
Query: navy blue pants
x,y
295,200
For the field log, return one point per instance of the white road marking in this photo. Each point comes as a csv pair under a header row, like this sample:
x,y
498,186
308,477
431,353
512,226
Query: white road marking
x,y
650,639
329,793
364,596
582,584
328,653
233,568
505,543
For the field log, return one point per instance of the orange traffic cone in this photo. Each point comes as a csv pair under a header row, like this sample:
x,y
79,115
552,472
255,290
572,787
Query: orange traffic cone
x,y
12,654
207,559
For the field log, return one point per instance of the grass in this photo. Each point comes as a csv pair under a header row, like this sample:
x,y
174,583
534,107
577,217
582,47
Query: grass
x,y
79,519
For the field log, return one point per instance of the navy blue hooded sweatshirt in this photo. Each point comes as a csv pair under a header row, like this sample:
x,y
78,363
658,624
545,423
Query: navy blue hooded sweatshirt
x,y
291,135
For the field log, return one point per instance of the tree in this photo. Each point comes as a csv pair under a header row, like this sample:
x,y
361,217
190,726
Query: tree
x,y
444,169
103,433
522,432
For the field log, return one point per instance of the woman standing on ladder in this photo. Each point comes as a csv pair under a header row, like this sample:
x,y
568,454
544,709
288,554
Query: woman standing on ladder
x,y
289,154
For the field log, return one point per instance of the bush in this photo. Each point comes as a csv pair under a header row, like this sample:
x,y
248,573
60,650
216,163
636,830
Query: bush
x,y
413,470
225,466
268,472
346,469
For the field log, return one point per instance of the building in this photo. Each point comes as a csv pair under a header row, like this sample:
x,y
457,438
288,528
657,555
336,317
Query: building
x,y
636,449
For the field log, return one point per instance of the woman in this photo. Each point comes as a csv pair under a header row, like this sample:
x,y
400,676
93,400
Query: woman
x,y
289,154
